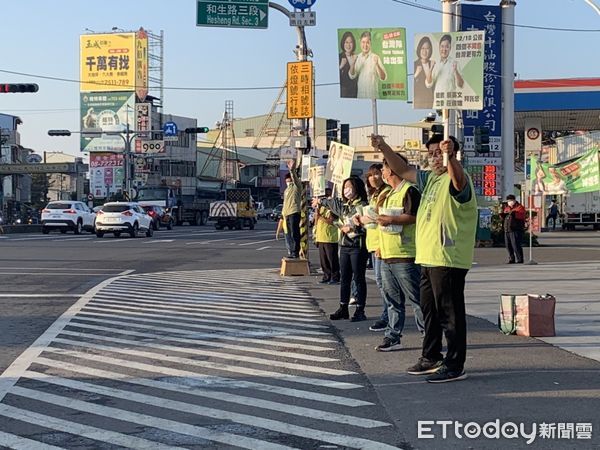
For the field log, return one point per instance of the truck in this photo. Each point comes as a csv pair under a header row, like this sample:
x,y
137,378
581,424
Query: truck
x,y
193,209
581,210
235,212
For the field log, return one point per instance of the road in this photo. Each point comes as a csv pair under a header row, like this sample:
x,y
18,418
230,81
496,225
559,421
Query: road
x,y
187,339
190,339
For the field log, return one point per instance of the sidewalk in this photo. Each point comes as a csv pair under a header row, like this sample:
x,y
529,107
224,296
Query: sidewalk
x,y
516,379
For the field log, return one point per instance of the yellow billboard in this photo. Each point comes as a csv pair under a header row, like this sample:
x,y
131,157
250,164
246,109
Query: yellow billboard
x,y
107,62
300,92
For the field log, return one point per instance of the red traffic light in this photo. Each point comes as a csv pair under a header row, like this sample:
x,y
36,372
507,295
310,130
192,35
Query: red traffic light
x,y
18,88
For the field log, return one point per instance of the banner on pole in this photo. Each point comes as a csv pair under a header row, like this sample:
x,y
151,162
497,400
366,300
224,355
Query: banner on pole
x,y
449,70
576,176
339,164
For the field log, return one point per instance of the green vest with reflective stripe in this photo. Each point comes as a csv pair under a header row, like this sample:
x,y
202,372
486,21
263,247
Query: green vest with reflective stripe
x,y
373,233
401,245
445,228
325,232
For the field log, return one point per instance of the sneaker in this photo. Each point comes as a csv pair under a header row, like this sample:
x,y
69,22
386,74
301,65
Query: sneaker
x,y
444,375
424,367
359,315
341,313
380,325
334,282
353,301
388,345
324,281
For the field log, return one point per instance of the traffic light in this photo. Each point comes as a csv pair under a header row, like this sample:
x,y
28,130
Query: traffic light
x,y
345,133
437,129
331,130
18,88
197,130
481,136
59,133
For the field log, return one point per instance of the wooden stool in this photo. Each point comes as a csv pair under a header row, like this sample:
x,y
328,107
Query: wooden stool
x,y
294,267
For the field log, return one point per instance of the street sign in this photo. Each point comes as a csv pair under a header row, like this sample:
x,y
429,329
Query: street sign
x,y
11,169
300,90
170,129
33,158
303,19
302,4
233,13
90,197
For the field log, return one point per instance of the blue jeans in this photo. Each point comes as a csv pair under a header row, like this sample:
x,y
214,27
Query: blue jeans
x,y
379,282
401,283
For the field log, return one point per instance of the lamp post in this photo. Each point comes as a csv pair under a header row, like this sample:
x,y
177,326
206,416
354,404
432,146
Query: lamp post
x,y
127,136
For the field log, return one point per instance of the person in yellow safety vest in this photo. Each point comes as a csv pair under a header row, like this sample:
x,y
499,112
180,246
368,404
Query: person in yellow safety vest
x,y
397,250
326,238
445,241
291,208
377,191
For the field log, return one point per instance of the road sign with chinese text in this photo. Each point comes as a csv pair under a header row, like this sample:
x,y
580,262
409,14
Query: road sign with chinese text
x,y
233,13
300,91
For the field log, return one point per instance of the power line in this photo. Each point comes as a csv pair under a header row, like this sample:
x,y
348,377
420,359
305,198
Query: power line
x,y
533,27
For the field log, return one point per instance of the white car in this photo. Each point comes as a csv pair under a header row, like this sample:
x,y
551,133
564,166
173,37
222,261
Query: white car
x,y
67,215
118,217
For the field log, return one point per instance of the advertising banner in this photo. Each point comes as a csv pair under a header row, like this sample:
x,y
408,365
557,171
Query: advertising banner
x,y
107,62
489,19
372,63
317,181
339,164
106,174
449,70
576,176
106,112
141,64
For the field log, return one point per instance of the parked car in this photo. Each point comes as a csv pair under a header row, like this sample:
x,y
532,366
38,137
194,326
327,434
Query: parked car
x,y
67,215
276,214
160,217
118,217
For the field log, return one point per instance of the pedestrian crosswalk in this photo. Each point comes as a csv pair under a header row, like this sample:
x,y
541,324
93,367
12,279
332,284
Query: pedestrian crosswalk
x,y
196,359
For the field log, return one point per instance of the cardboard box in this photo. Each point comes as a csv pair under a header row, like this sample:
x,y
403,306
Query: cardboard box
x,y
527,315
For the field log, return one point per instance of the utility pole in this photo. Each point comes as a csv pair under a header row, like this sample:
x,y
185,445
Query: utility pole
x,y
300,130
448,115
508,96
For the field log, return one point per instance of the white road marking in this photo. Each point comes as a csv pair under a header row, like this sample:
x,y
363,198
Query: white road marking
x,y
10,376
258,422
78,429
220,336
205,242
213,354
206,343
258,242
158,241
190,380
126,272
269,311
150,421
21,443
215,366
263,332
150,305
214,394
263,248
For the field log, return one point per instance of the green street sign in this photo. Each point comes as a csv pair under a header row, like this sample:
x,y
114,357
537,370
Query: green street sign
x,y
232,13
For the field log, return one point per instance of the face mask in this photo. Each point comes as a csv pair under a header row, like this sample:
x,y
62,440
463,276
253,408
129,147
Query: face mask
x,y
511,203
349,193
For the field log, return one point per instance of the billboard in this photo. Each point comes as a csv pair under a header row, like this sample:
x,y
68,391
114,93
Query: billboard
x,y
576,176
372,63
107,112
106,174
448,70
489,19
141,64
339,164
107,62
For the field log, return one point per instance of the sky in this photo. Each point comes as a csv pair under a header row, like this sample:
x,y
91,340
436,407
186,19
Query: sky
x,y
41,39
